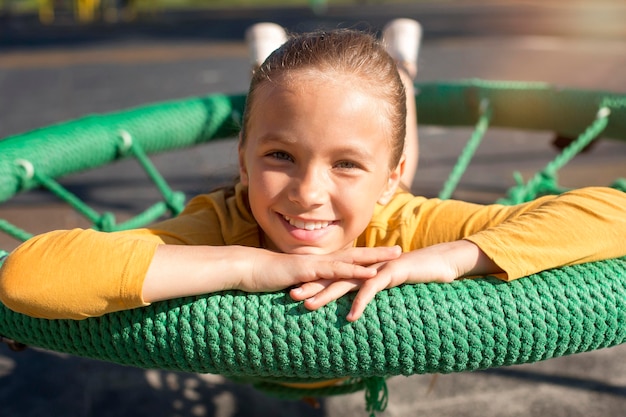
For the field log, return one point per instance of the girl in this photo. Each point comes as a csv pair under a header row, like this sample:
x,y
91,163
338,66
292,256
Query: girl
x,y
318,208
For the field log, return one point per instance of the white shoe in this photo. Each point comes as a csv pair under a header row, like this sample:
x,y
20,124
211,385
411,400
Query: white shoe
x,y
402,38
263,39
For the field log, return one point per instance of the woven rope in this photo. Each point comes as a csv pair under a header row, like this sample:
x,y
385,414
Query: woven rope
x,y
413,329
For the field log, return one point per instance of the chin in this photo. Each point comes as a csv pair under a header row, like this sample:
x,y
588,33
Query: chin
x,y
308,250
296,248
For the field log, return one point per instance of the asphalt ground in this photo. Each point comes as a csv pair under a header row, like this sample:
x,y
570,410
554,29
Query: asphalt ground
x,y
61,72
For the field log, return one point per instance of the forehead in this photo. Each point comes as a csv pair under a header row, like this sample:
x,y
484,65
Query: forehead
x,y
337,88
316,93
301,108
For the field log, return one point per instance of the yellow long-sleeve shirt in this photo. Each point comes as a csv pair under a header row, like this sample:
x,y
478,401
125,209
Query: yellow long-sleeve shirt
x,y
82,273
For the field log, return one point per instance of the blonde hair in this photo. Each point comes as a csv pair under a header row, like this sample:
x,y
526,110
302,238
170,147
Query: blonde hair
x,y
343,51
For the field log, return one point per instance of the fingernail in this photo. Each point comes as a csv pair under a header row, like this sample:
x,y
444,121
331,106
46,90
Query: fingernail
x,y
297,290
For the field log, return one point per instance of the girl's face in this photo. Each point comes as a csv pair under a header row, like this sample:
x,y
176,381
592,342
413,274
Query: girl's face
x,y
316,161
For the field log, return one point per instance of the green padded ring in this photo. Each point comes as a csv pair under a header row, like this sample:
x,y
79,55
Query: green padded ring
x,y
413,329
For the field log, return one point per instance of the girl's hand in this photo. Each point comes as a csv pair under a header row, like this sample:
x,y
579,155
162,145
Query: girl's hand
x,y
183,270
273,271
440,263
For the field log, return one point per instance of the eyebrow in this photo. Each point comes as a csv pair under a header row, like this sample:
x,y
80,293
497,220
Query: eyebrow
x,y
355,152
276,137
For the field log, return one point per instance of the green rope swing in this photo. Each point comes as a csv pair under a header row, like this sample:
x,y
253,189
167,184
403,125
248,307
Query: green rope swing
x,y
268,339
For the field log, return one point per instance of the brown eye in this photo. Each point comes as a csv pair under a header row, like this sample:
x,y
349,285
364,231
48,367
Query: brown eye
x,y
346,165
282,156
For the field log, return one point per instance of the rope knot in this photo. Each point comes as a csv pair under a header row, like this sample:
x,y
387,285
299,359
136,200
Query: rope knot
x,y
106,222
28,169
376,395
126,142
176,202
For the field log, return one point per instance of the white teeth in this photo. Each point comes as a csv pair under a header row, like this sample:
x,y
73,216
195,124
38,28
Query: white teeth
x,y
306,225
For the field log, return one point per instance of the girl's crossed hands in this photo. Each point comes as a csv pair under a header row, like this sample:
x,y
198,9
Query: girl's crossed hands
x,y
319,279
439,263
272,271
182,270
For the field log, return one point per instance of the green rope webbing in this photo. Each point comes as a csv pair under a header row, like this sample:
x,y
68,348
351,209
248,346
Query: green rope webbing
x,y
468,152
619,184
175,201
376,395
545,181
94,141
30,172
14,231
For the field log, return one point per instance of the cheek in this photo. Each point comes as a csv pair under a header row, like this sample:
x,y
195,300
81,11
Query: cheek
x,y
265,186
361,200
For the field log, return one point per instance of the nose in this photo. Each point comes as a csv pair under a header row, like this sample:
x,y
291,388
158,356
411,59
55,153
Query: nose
x,y
309,188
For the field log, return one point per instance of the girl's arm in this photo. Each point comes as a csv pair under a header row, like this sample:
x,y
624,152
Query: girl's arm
x,y
181,270
509,242
77,274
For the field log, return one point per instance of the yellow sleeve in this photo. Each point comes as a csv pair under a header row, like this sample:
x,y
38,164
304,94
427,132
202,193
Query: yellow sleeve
x,y
580,226
76,274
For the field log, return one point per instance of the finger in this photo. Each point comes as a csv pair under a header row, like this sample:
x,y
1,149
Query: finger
x,y
335,290
368,256
343,270
309,289
368,291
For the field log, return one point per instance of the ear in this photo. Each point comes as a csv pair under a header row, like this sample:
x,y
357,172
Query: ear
x,y
392,183
243,171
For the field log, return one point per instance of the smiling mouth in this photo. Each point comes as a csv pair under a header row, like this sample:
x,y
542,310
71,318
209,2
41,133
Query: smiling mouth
x,y
300,224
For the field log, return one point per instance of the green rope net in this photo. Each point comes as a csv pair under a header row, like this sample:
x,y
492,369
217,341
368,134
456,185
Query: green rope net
x,y
268,339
